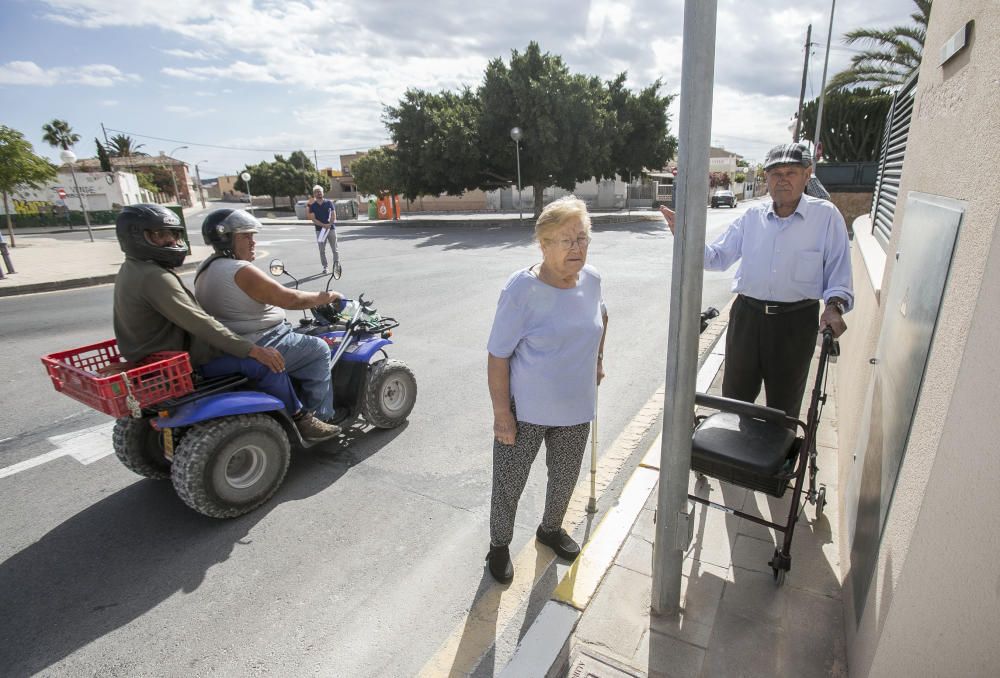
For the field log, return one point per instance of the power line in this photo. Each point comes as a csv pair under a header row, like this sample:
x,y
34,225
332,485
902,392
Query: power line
x,y
247,150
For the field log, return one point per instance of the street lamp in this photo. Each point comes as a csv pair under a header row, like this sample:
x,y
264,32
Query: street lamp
x,y
197,175
246,180
69,157
515,134
173,174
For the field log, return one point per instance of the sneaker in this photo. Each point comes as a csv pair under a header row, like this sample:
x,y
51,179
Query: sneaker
x,y
325,271
499,562
313,429
560,542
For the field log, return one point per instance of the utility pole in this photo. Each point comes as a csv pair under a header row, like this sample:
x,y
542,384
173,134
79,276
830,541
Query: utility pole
x,y
673,521
802,92
201,193
822,92
105,133
316,160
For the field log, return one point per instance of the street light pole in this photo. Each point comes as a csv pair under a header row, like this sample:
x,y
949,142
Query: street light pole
x,y
69,157
802,92
197,175
173,175
246,180
515,134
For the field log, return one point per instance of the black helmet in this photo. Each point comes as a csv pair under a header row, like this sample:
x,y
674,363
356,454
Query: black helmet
x,y
220,225
131,227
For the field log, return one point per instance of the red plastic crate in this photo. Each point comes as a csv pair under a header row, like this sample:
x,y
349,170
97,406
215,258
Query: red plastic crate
x,y
98,376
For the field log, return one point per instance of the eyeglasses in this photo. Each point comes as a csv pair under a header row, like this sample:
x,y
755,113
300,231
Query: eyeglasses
x,y
163,233
567,244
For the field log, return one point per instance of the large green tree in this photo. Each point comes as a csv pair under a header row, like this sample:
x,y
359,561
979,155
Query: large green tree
x,y
573,127
437,143
853,124
59,134
640,128
564,119
891,56
261,181
19,167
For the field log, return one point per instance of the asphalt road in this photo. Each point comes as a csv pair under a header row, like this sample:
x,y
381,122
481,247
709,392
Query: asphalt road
x,y
371,553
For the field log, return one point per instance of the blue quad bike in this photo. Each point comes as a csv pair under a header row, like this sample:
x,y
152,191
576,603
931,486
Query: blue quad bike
x,y
226,446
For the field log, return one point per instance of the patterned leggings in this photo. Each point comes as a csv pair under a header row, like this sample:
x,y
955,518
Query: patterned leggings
x,y
564,448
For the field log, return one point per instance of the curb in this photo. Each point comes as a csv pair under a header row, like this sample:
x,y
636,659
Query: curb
x,y
545,648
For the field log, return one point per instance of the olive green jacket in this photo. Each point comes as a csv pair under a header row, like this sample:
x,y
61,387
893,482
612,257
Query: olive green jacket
x,y
154,312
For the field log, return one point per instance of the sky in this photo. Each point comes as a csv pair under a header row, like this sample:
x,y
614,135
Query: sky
x,y
237,81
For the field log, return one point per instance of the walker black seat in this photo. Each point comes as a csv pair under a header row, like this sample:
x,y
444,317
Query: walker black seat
x,y
742,442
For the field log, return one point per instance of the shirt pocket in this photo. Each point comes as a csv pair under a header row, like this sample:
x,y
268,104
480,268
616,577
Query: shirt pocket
x,y
808,267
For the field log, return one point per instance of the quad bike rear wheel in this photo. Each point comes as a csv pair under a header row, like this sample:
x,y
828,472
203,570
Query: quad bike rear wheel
x,y
226,467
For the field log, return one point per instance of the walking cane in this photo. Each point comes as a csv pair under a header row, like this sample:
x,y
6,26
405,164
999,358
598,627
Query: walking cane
x,y
592,504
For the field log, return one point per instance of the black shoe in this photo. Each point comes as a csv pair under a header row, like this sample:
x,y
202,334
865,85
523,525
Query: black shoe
x,y
500,566
560,542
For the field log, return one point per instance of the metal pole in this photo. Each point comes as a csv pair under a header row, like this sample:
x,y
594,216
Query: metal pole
x,y
822,90
695,123
520,206
86,219
201,193
802,92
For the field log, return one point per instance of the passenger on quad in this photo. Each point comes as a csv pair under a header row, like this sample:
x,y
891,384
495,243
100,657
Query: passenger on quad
x,y
248,302
153,311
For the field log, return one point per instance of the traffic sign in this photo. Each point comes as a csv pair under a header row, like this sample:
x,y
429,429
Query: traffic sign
x,y
62,193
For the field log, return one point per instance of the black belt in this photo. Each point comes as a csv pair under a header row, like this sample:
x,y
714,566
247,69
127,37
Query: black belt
x,y
777,307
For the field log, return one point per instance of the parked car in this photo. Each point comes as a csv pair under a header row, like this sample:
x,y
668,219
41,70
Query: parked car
x,y
720,198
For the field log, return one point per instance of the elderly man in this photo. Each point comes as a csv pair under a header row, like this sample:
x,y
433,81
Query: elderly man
x,y
249,303
793,251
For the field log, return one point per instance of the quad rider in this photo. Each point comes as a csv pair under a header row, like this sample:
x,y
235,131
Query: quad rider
x,y
248,302
153,312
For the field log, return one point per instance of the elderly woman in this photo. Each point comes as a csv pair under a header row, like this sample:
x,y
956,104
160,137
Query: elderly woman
x,y
544,364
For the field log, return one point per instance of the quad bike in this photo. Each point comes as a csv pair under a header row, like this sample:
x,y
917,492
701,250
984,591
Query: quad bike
x,y
226,446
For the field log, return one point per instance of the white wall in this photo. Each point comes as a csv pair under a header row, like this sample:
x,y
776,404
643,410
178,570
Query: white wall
x,y
101,191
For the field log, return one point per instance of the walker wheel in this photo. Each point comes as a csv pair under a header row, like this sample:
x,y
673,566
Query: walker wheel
x,y
820,501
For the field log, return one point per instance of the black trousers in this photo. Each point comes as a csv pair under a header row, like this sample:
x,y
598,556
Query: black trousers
x,y
773,349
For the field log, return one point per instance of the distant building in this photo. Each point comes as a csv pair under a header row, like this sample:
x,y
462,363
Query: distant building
x,y
101,191
139,163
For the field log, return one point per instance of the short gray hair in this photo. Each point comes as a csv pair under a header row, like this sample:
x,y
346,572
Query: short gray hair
x,y
559,212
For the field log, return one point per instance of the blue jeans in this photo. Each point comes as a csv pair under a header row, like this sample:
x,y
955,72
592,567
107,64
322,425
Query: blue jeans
x,y
307,362
273,383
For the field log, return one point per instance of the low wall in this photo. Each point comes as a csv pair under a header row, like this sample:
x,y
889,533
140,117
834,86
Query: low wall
x,y
469,201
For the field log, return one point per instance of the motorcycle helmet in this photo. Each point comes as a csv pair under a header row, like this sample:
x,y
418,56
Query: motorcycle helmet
x,y
220,225
131,227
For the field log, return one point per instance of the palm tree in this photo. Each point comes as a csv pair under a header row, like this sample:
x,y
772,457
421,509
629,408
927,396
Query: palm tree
x,y
59,133
123,146
893,54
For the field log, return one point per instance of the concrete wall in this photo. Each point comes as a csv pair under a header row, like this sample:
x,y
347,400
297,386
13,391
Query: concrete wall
x,y
101,191
933,608
474,200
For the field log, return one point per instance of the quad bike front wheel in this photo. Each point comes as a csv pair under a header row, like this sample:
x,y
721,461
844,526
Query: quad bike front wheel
x,y
226,467
390,393
140,448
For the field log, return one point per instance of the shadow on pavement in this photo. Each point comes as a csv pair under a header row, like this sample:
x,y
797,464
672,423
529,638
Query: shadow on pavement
x,y
125,555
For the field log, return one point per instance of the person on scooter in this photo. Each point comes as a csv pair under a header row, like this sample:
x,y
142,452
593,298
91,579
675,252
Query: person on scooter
x,y
248,302
324,215
153,311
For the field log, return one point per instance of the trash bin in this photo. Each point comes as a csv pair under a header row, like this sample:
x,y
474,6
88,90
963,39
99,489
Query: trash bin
x,y
346,209
302,210
372,213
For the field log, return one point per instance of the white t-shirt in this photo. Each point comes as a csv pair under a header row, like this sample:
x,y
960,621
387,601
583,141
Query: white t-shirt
x,y
551,337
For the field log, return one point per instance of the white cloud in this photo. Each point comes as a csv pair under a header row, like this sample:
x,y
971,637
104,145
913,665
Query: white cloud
x,y
92,75
198,54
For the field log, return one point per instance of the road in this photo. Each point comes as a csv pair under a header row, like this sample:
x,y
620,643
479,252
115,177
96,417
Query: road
x,y
371,554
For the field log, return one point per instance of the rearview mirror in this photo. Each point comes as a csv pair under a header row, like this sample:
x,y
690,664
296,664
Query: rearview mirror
x,y
277,267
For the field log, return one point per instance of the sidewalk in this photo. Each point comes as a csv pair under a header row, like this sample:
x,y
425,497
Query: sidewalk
x,y
735,621
46,260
